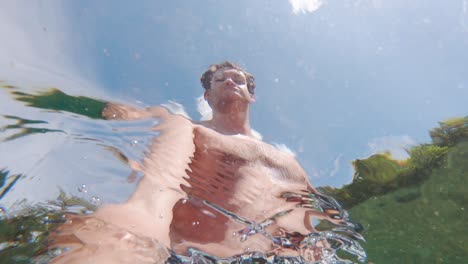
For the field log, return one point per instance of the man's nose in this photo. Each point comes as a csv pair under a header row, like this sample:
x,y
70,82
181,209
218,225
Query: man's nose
x,y
230,81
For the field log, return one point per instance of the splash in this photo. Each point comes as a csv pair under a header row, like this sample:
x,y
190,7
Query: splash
x,y
216,186
316,247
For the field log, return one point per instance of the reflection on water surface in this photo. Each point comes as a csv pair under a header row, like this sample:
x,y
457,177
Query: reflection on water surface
x,y
27,225
433,175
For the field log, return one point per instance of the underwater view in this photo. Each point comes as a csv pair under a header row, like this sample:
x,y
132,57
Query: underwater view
x,y
294,131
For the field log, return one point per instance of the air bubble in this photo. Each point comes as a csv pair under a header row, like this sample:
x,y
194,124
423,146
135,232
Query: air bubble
x,y
34,236
96,200
56,252
83,188
45,220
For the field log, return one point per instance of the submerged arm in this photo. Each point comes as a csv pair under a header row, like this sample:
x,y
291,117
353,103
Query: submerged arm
x,y
116,111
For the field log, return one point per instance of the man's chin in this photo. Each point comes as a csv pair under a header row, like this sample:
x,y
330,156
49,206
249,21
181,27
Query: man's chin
x,y
232,96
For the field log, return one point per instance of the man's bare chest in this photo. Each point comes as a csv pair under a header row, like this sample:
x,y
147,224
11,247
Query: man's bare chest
x,y
236,147
244,156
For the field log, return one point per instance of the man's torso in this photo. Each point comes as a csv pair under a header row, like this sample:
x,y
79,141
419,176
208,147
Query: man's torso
x,y
243,176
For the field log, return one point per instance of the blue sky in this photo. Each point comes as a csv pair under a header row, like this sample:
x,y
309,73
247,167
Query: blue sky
x,y
336,80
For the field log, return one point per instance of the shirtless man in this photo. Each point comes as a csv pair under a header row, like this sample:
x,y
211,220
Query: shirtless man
x,y
208,186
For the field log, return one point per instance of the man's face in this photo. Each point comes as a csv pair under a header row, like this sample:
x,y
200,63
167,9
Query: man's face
x,y
228,84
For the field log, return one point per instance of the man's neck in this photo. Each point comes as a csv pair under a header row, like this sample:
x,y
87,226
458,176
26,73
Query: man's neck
x,y
230,123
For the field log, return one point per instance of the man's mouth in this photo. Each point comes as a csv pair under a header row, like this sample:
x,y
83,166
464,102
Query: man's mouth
x,y
233,88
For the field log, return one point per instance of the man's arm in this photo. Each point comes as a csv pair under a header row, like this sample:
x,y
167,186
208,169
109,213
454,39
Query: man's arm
x,y
117,111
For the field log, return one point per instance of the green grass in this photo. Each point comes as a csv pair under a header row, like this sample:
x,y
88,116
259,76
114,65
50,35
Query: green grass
x,y
421,224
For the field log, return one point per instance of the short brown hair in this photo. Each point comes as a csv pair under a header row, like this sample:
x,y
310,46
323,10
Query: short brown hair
x,y
208,75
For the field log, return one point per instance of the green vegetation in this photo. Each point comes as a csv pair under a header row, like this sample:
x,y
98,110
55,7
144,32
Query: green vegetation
x,y
24,235
380,174
56,100
7,181
22,126
414,211
426,223
52,100
450,132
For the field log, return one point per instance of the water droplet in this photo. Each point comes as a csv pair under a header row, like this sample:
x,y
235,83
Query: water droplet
x,y
184,201
82,188
234,233
45,220
34,236
96,200
276,80
195,223
161,216
56,252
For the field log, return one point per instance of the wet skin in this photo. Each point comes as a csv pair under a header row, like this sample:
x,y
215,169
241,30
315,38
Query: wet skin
x,y
218,161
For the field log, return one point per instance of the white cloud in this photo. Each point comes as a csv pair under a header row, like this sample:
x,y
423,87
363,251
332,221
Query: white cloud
x,y
305,6
396,145
256,134
204,108
336,165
